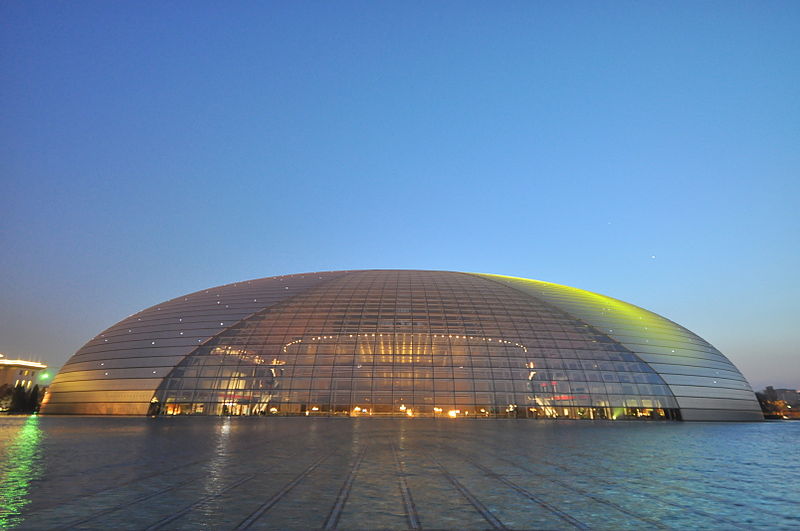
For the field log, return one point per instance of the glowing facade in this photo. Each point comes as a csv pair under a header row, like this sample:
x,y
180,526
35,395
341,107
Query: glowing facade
x,y
15,372
401,343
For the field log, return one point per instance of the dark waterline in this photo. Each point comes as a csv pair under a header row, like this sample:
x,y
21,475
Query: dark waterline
x,y
301,473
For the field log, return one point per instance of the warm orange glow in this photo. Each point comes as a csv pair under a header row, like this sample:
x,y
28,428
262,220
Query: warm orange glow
x,y
23,363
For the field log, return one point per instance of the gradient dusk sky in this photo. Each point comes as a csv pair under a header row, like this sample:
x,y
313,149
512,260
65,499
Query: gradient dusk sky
x,y
649,151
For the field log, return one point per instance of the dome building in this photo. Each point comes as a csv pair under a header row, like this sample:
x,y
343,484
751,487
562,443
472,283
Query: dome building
x,y
401,343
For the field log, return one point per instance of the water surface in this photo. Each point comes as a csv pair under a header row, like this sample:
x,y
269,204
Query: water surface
x,y
306,473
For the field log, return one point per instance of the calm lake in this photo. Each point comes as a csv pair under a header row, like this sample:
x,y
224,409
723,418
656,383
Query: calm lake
x,y
312,473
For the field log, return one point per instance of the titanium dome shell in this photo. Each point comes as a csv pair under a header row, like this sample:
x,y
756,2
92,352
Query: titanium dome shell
x,y
401,343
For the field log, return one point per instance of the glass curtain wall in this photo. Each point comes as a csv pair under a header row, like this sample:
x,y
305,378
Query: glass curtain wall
x,y
415,344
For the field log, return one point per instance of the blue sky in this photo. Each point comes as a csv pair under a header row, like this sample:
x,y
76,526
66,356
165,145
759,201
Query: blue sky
x,y
152,149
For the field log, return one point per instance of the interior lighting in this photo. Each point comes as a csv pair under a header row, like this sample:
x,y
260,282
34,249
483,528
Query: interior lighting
x,y
453,413
410,412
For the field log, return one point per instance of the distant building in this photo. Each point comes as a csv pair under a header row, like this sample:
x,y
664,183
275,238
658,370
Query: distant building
x,y
16,372
18,381
783,403
790,396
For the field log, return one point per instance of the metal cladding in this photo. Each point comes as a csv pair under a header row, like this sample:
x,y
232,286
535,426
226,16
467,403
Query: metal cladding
x,y
401,343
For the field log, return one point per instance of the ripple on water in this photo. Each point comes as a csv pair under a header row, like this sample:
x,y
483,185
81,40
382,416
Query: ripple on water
x,y
298,473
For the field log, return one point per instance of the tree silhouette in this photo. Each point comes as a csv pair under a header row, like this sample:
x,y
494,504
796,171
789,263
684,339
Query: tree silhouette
x,y
24,401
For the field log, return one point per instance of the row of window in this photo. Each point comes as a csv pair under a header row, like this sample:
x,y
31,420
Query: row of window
x,y
444,385
475,411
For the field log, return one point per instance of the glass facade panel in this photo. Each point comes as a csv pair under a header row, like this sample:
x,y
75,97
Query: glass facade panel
x,y
396,343
468,342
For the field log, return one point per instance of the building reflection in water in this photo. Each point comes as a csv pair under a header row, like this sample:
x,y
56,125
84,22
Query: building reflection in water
x,y
20,467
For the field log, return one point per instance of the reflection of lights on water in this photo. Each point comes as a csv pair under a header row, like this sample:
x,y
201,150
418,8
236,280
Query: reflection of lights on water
x,y
218,465
18,471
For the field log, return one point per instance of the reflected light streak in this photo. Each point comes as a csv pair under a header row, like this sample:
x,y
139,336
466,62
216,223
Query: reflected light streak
x,y
19,470
217,468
